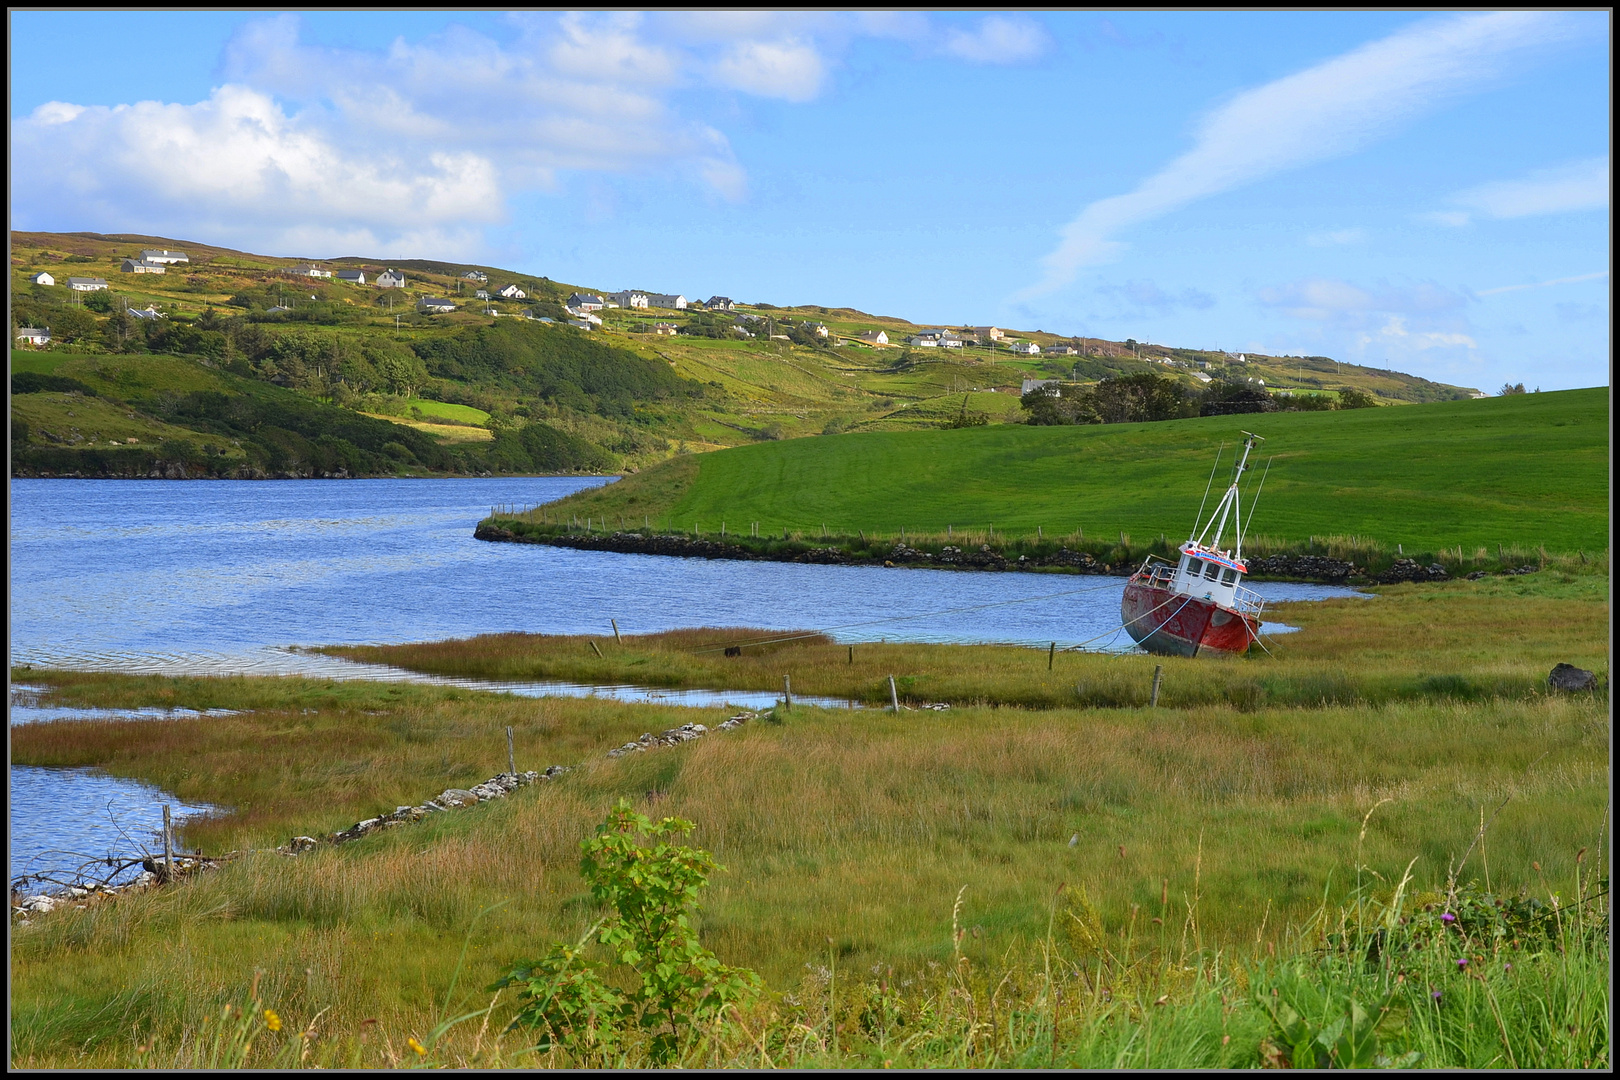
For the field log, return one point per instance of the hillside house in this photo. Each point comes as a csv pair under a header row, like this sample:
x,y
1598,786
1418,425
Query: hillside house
x,y
580,324
481,294
42,278
1061,350
588,316
666,329
141,266
353,277
32,335
165,256
512,292
1025,348
630,298
818,329
1201,377
872,337
476,275
279,309
667,300
390,279
434,305
720,303
86,284
585,302
923,341
949,340
307,270
1050,386
987,334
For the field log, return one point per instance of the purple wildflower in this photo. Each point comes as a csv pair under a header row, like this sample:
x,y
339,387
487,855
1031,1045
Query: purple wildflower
x,y
1435,994
1507,967
1462,962
1448,917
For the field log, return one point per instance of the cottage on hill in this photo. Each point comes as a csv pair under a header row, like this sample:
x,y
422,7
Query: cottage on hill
x,y
629,298
481,294
86,284
390,279
142,266
987,334
872,337
1025,348
586,302
42,278
434,305
512,292
308,270
353,277
720,303
674,301
31,335
666,329
164,255
476,275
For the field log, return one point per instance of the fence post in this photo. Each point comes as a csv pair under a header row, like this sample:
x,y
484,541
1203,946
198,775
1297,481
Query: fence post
x,y
616,636
168,846
511,760
787,692
894,695
852,654
1051,655
1158,673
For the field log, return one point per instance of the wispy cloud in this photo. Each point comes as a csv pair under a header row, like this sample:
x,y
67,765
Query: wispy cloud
x,y
1579,185
1380,321
1326,111
1336,238
997,39
1543,284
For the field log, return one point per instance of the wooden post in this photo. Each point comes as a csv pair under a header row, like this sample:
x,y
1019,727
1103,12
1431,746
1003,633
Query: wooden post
x,y
1038,536
511,759
1158,673
1051,655
894,695
168,846
787,692
594,649
852,654
616,636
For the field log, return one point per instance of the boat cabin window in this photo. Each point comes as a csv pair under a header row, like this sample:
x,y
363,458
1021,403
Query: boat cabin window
x,y
1192,566
1212,571
1230,577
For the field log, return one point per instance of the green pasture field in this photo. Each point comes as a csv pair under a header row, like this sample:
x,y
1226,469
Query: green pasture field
x,y
43,363
1157,868
1528,470
464,414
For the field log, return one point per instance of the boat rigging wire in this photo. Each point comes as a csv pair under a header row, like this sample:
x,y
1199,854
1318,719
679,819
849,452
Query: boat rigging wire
x,y
1207,487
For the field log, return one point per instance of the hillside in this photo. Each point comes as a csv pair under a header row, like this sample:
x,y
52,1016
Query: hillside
x,y
471,380
1526,470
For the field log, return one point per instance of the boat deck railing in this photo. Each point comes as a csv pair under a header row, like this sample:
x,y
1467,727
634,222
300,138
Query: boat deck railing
x,y
1158,572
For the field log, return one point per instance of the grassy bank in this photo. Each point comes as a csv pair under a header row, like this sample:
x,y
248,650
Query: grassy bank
x,y
1529,471
987,885
1460,640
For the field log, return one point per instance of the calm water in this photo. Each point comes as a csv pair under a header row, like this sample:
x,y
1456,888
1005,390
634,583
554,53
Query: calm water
x,y
223,576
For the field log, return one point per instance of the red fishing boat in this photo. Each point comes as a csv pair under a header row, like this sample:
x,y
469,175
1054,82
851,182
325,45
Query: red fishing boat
x,y
1196,605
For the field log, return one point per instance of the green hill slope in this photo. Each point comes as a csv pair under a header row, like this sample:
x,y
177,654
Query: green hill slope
x,y
1526,470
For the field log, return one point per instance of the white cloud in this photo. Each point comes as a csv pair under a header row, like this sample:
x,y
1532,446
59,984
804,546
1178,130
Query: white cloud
x,y
1543,284
1579,185
1326,111
791,70
997,39
1336,238
1375,323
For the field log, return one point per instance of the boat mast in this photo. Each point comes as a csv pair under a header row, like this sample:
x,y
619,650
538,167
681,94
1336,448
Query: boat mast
x,y
1229,502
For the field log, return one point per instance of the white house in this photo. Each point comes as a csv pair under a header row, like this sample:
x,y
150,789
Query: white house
x,y
1025,348
434,305
629,298
580,324
987,334
390,279
353,277
949,340
42,278
872,337
476,275
308,270
164,255
586,302
667,300
581,313
512,292
666,329
1060,350
1201,377
481,294
86,284
923,341
142,266
818,329
1049,385
33,335
720,303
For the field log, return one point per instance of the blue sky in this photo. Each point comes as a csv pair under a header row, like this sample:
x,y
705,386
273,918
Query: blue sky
x,y
1427,192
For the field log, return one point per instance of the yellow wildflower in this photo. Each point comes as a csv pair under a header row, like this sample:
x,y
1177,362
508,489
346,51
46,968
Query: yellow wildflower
x,y
418,1047
271,1020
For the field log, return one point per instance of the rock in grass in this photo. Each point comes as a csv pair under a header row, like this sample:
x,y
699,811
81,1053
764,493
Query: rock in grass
x,y
456,797
1571,680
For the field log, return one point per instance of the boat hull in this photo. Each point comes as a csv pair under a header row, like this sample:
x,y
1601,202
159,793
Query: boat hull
x,y
1175,624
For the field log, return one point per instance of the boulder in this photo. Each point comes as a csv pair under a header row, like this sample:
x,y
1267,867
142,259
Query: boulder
x,y
456,797
1569,679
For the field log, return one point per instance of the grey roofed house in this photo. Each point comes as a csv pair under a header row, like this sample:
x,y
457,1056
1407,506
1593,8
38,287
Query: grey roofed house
x,y
872,337
949,340
390,279
476,275
512,292
307,270
1061,349
142,266
586,302
358,277
628,298
435,304
580,324
279,309
86,284
34,335
667,300
164,255
481,294
719,303
43,278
